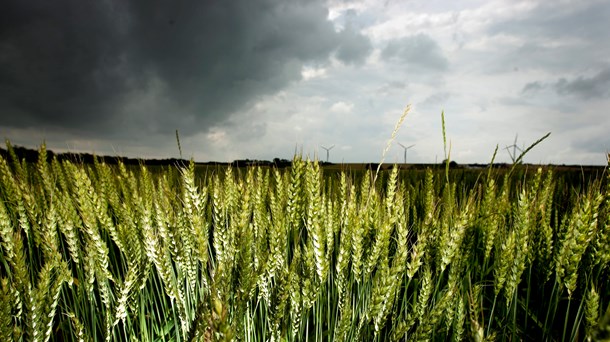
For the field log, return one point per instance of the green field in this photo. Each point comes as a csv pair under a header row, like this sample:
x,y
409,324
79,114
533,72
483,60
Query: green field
x,y
100,252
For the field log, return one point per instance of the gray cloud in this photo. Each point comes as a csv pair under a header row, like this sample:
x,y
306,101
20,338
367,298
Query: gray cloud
x,y
598,143
418,51
391,87
140,67
532,87
354,47
584,20
435,101
597,86
554,36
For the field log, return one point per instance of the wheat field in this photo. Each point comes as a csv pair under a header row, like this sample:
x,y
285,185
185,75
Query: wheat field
x,y
99,252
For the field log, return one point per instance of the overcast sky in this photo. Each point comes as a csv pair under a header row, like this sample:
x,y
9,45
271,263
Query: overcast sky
x,y
257,78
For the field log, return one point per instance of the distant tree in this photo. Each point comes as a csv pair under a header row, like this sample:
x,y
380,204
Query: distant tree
x,y
452,163
372,166
281,163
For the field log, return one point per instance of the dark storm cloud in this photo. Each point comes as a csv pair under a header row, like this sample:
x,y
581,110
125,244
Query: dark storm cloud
x,y
60,62
90,66
417,51
597,86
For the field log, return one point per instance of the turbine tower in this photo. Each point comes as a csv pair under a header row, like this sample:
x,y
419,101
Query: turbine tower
x,y
406,148
327,151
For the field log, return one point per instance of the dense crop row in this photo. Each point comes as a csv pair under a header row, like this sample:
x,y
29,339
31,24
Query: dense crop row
x,y
98,252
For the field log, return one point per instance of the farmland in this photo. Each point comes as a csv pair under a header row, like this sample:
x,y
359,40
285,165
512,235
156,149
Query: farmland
x,y
94,251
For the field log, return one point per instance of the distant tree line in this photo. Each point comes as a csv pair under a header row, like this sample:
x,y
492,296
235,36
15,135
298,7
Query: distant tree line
x,y
31,155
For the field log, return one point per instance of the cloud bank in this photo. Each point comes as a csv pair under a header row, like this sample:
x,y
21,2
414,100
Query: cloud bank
x,y
257,78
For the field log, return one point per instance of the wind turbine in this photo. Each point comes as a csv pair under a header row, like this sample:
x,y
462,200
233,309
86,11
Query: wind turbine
x,y
406,148
513,156
327,150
